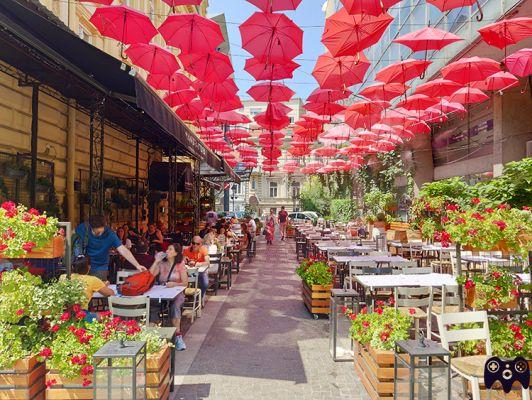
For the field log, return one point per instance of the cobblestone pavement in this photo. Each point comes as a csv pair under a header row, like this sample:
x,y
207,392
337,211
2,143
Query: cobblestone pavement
x,y
258,341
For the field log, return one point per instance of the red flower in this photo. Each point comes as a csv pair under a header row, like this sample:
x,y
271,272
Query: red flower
x,y
76,308
496,274
75,360
497,288
528,322
514,328
50,383
85,339
412,311
518,345
86,382
519,336
444,219
344,309
105,314
500,224
8,234
20,311
477,216
379,311
28,246
472,232
489,210
364,310
493,302
3,247
503,206
451,207
469,284
46,352
526,208
385,336
72,328
353,316
514,292
26,217
41,221
54,328
65,316
87,370
365,324
475,200
33,211
379,303
459,221
9,205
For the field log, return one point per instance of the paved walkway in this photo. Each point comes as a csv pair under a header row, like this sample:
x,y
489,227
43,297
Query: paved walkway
x,y
258,341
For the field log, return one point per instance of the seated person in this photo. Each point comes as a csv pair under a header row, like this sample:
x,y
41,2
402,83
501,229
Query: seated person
x,y
210,238
221,237
197,255
80,272
203,232
122,235
231,237
245,240
141,255
169,270
155,238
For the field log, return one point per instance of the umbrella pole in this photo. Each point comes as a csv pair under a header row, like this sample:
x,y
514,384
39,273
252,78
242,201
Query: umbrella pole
x,y
480,15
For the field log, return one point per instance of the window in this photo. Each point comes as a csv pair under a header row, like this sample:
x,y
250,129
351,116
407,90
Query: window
x,y
84,35
296,187
273,189
253,184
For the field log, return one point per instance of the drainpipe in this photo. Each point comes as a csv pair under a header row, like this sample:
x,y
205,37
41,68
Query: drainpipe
x,y
71,160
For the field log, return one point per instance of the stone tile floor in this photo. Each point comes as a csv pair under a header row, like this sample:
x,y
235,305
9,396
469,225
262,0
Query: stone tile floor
x,y
258,341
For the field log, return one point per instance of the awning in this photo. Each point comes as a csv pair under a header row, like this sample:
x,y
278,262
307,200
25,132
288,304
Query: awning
x,y
36,42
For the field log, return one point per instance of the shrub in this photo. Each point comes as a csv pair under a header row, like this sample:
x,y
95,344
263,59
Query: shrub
x,y
315,273
342,210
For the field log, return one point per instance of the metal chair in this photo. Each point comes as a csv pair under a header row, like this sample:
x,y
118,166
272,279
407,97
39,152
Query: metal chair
x,y
449,302
134,307
214,271
417,299
193,294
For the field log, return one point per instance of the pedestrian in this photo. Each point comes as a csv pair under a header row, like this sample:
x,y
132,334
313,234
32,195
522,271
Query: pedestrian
x,y
270,226
94,239
283,217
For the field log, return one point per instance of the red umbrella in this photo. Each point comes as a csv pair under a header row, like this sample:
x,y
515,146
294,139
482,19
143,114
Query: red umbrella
x,y
468,95
346,35
210,67
427,39
275,5
152,58
402,71
325,151
445,106
272,38
175,3
324,108
438,88
370,7
340,72
506,32
274,118
237,134
263,71
191,33
498,81
418,102
520,62
446,5
173,82
383,91
369,107
299,151
190,111
356,120
179,98
328,95
271,152
272,135
395,117
124,24
104,2
270,92
418,127
232,118
227,105
216,92
470,69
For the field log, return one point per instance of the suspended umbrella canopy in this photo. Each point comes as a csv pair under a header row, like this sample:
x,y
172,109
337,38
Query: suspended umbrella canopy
x,y
427,39
104,2
506,32
470,69
340,72
369,7
402,132
276,135
498,81
274,118
191,33
325,151
347,35
520,62
328,95
446,5
292,163
263,71
270,92
269,168
468,95
209,67
124,24
381,128
402,71
246,150
237,134
438,88
290,170
370,135
171,82
395,117
418,102
216,91
314,165
449,107
269,6
368,107
175,3
264,142
231,118
356,120
191,111
418,127
361,142
227,105
324,108
434,114
384,91
299,151
271,152
315,119
176,99
272,38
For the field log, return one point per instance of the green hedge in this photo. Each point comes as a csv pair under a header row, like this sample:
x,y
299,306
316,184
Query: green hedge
x,y
342,210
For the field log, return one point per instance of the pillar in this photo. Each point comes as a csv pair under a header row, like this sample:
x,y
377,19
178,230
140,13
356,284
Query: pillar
x,y
71,160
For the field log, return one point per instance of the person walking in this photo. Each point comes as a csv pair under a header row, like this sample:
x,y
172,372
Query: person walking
x,y
270,226
283,218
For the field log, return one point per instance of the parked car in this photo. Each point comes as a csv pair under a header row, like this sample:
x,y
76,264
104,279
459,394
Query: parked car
x,y
302,216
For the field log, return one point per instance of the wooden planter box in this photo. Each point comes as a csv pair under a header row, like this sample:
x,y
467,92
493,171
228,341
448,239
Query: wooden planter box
x,y
25,380
157,381
470,295
317,298
55,248
375,370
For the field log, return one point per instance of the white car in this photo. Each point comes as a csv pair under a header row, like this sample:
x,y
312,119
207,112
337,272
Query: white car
x,y
302,216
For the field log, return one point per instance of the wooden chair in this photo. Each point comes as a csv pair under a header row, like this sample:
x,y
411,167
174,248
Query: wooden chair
x,y
134,307
214,271
122,275
380,253
193,294
417,298
448,302
416,270
399,265
443,265
357,268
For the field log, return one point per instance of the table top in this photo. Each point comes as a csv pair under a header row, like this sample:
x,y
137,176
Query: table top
x,y
414,348
201,269
159,292
391,281
352,246
479,259
378,259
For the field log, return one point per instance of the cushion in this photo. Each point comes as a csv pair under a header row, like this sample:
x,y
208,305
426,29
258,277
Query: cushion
x,y
470,365
448,309
191,291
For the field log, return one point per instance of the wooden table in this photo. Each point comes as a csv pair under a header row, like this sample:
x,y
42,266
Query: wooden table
x,y
368,258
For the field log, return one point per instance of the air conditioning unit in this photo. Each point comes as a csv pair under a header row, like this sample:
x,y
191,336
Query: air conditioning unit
x,y
529,148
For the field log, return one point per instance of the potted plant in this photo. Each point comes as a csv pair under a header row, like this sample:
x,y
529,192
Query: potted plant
x,y
289,229
14,169
43,184
317,279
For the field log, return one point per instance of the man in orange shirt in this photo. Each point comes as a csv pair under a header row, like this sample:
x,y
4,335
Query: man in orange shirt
x,y
197,255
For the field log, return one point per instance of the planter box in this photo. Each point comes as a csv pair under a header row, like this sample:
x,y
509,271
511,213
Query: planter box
x,y
25,380
55,248
157,381
375,369
470,295
317,298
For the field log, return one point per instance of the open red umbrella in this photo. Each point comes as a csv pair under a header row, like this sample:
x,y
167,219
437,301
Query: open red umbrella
x,y
520,62
329,109
368,107
190,111
356,120
263,71
402,71
274,118
415,126
175,3
152,58
180,97
470,69
269,6
384,91
328,95
506,32
191,33
104,2
232,118
448,107
210,67
348,35
446,5
237,134
340,72
418,102
438,88
325,151
498,81
216,92
124,24
271,38
468,95
427,39
233,103
270,92
369,7
173,82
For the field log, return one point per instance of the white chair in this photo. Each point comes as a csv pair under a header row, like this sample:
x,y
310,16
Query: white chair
x,y
469,367
443,264
193,293
134,307
357,268
417,298
449,302
122,275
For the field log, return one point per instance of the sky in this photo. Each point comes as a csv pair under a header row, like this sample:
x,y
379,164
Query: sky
x,y
308,16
